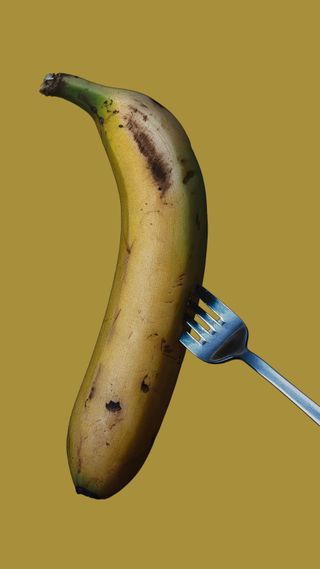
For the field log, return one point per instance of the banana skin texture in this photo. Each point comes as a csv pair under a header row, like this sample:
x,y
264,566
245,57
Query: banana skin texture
x,y
136,360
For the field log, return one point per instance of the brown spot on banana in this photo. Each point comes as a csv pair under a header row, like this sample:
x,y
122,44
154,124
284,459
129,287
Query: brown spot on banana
x,y
129,247
113,325
93,385
188,176
79,453
145,387
113,406
157,164
166,349
135,110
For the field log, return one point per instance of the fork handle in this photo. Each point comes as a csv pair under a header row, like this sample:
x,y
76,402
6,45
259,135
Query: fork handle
x,y
300,399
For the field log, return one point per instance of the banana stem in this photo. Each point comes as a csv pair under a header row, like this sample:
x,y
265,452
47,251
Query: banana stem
x,y
50,85
86,94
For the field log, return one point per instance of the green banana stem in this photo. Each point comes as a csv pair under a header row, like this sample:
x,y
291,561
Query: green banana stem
x,y
89,96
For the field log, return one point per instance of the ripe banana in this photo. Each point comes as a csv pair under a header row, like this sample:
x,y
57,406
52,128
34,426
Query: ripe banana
x,y
161,259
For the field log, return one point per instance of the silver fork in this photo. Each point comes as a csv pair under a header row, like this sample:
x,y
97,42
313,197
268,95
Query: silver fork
x,y
226,339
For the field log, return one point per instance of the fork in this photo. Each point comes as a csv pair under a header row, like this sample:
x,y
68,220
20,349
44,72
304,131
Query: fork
x,y
226,338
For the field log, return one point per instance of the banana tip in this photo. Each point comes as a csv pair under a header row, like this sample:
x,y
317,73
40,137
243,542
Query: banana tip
x,y
86,492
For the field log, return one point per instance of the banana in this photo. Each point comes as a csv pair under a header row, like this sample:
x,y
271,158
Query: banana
x,y
161,260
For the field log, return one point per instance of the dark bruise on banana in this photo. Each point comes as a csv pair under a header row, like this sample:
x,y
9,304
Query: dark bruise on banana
x,y
136,124
136,361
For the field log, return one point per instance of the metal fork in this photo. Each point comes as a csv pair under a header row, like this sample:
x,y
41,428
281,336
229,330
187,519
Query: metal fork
x,y
226,338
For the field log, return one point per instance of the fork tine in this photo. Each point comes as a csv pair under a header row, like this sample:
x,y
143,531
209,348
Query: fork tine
x,y
205,316
197,328
217,306
189,342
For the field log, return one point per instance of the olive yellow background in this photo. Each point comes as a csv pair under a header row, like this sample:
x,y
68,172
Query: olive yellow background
x,y
233,477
